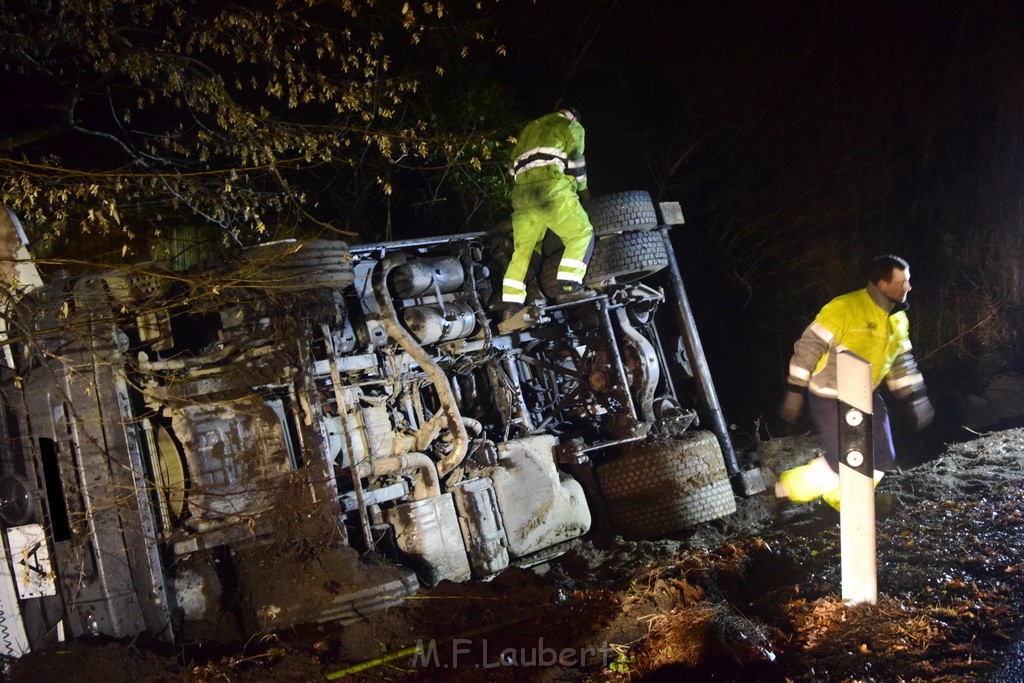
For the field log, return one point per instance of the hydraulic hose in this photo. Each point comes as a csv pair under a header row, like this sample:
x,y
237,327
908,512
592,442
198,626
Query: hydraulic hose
x,y
449,408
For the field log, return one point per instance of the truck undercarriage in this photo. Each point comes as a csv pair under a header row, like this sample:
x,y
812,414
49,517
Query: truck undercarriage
x,y
312,431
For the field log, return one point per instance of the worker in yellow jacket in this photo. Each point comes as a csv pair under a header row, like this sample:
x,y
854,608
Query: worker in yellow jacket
x,y
549,171
872,323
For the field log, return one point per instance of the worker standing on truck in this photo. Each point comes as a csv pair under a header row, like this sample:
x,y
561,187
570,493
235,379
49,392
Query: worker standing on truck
x,y
550,172
872,323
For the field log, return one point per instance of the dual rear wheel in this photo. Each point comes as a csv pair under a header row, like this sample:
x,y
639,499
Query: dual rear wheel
x,y
662,487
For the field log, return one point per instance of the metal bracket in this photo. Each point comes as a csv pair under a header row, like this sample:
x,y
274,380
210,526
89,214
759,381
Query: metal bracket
x,y
671,213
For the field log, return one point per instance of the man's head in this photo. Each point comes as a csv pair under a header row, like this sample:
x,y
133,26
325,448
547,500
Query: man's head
x,y
891,275
572,113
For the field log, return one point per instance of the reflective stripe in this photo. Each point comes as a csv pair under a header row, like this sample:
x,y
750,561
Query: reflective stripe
x,y
537,157
829,392
897,383
513,291
822,391
571,270
577,169
513,298
801,375
905,347
823,332
551,151
536,164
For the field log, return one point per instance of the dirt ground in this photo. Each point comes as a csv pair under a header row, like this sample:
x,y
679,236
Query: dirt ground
x,y
753,597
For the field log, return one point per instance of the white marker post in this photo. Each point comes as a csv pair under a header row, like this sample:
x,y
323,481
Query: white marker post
x,y
856,480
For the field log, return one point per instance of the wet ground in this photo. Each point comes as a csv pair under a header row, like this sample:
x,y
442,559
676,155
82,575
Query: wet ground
x,y
749,598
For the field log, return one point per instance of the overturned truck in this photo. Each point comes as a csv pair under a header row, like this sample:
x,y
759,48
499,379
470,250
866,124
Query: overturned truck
x,y
313,431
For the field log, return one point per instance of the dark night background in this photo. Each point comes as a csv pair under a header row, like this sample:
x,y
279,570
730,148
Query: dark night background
x,y
801,139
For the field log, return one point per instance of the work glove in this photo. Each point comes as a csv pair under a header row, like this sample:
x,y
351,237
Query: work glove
x,y
792,404
921,413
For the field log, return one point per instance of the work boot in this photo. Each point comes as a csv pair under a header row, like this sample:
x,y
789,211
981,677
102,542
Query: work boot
x,y
572,291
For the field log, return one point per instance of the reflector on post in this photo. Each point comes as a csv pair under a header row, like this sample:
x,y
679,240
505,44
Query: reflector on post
x,y
856,480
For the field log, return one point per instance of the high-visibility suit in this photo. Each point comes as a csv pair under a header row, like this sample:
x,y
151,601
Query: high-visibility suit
x,y
549,170
875,328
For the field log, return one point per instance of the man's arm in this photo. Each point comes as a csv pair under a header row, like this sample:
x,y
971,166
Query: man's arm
x,y
904,380
806,352
576,165
907,385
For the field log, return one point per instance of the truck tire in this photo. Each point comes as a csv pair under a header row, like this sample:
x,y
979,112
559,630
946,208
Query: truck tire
x,y
610,214
626,257
663,487
623,257
621,211
291,266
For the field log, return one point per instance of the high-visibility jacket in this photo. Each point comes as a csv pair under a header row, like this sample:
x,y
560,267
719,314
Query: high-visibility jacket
x,y
550,148
870,325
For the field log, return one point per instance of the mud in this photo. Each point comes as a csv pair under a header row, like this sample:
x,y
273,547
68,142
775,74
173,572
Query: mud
x,y
751,597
